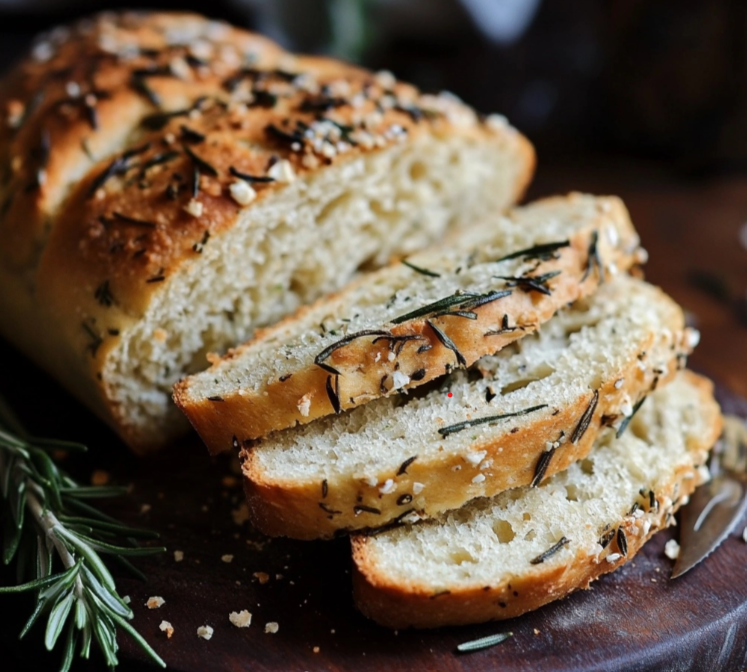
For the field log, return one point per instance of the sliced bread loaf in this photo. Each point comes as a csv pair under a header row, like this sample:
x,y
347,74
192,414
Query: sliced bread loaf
x,y
414,321
498,558
510,420
171,183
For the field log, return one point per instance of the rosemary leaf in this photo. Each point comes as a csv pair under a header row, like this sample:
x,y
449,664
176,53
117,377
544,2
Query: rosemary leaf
x,y
484,642
47,525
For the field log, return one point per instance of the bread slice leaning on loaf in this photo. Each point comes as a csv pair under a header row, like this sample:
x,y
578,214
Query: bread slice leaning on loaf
x,y
498,558
510,420
174,183
413,321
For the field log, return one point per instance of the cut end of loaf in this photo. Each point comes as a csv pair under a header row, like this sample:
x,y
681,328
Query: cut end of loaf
x,y
294,246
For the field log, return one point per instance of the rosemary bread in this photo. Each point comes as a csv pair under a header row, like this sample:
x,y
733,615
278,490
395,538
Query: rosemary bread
x,y
170,183
510,420
498,558
413,321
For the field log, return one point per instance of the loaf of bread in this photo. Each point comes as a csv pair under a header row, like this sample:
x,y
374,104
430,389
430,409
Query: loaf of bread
x,y
498,558
409,457
170,183
411,322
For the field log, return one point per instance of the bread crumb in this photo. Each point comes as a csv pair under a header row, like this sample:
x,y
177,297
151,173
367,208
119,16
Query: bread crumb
x,y
144,508
241,619
242,193
240,515
155,602
672,549
100,477
229,481
194,208
262,577
167,628
178,556
536,632
227,558
272,627
315,649
205,631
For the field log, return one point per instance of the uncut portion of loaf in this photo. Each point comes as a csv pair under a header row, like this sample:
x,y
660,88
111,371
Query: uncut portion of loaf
x,y
498,558
171,183
396,458
486,288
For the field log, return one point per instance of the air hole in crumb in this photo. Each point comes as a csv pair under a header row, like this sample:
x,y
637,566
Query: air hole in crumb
x,y
540,373
418,170
571,493
503,531
462,555
529,536
527,516
587,466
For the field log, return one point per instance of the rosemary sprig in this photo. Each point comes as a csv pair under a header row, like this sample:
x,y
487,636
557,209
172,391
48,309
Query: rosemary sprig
x,y
48,524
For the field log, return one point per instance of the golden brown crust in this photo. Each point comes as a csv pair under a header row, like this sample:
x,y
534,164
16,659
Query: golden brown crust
x,y
398,606
366,370
103,127
302,509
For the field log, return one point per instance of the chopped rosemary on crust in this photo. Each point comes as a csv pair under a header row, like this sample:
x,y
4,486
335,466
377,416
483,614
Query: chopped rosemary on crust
x,y
542,252
421,270
622,542
550,551
447,343
403,467
200,163
250,178
324,354
585,419
458,427
103,294
334,393
541,469
594,258
463,301
624,424
531,283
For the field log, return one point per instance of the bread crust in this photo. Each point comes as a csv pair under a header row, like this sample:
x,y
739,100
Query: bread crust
x,y
100,118
400,606
367,370
304,509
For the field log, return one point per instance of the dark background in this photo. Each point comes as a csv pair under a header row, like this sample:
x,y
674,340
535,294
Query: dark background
x,y
662,79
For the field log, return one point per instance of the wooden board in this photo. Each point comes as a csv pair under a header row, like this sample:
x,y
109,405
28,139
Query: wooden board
x,y
634,619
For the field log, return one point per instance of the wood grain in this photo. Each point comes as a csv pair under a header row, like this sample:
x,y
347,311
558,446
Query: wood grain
x,y
634,619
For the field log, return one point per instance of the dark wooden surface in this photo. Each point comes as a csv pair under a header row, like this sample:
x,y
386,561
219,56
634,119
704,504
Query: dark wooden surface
x,y
634,619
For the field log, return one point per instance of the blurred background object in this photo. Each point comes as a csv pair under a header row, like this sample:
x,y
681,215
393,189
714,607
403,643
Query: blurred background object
x,y
662,79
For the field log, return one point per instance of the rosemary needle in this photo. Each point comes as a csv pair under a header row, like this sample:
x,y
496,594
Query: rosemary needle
x,y
56,540
484,642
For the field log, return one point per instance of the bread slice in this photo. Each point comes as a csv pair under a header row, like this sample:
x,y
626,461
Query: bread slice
x,y
412,322
170,183
413,456
498,558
